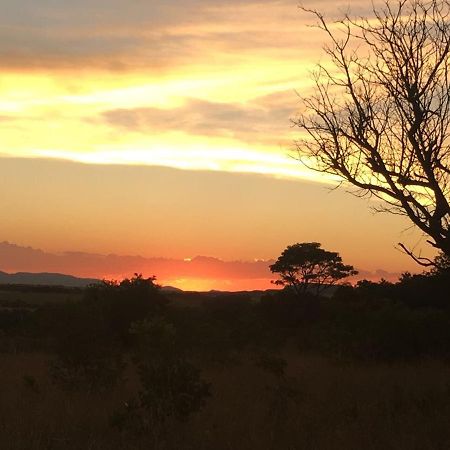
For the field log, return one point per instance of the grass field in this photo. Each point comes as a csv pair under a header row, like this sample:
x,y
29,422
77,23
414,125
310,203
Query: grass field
x,y
319,404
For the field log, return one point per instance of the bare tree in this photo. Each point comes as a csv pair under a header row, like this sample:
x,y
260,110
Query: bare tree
x,y
380,114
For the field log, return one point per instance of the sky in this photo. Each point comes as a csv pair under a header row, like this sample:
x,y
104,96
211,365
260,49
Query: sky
x,y
162,129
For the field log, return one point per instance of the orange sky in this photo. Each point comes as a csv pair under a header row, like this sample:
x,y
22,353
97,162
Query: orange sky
x,y
103,102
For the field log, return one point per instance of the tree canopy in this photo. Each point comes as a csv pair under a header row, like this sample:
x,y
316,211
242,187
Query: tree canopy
x,y
306,265
380,115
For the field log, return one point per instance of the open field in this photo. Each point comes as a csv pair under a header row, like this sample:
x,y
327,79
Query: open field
x,y
332,406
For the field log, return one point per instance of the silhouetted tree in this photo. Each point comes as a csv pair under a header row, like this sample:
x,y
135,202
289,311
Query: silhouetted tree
x,y
306,264
441,264
380,115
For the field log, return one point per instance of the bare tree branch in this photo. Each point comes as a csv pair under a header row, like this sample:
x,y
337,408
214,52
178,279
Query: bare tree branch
x,y
380,115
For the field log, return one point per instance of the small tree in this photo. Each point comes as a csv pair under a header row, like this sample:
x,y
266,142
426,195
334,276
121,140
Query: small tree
x,y
379,117
306,264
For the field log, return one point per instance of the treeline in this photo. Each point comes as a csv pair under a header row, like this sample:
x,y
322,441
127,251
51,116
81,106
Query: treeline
x,y
39,288
382,320
371,321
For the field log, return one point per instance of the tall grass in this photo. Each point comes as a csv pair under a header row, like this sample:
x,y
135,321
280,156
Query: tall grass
x,y
318,404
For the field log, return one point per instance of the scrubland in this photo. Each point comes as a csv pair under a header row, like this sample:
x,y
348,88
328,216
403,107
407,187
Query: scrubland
x,y
123,367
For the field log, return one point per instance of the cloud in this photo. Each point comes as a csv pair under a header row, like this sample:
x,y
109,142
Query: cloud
x,y
99,33
206,271
119,34
263,120
15,258
221,73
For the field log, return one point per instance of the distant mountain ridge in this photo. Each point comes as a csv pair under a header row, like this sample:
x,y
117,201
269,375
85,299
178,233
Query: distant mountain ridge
x,y
45,279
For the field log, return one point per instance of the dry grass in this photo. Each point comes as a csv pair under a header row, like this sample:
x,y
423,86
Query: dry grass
x,y
336,406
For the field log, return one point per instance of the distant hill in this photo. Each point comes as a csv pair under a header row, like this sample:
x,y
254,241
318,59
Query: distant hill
x,y
45,279
170,289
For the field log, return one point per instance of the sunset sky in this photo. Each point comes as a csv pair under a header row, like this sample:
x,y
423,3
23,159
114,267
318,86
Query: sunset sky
x,y
161,129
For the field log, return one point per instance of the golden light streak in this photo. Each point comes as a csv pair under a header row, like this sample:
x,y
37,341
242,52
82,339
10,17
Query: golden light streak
x,y
225,159
58,113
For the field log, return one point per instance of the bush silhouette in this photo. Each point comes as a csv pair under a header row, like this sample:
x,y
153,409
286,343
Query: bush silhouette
x,y
120,304
170,385
93,333
87,357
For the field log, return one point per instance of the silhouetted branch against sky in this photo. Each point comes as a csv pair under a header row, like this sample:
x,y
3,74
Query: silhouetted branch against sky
x,y
379,118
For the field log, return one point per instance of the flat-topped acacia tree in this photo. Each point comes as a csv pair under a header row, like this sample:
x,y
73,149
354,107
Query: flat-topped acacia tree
x,y
379,117
307,265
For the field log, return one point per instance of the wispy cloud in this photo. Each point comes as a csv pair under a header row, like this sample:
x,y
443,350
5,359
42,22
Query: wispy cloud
x,y
126,35
264,120
49,34
109,81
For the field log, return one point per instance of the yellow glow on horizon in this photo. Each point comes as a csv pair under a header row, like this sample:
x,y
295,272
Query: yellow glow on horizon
x,y
191,284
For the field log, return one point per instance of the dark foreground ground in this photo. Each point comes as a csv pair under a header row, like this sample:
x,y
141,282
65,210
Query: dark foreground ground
x,y
364,370
335,406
